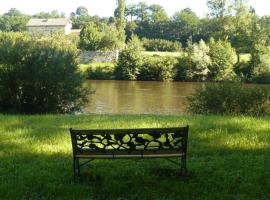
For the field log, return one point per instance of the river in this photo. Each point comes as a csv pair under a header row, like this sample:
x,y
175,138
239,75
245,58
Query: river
x,y
139,97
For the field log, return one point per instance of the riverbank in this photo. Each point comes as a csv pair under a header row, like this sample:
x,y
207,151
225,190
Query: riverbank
x,y
228,158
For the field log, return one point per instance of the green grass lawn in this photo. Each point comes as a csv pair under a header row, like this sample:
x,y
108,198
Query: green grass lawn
x,y
160,53
84,67
245,57
228,158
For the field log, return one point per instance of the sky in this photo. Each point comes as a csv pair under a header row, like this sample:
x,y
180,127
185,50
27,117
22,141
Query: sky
x,y
105,8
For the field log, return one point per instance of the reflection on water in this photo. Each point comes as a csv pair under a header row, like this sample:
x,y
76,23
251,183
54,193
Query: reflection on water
x,y
139,97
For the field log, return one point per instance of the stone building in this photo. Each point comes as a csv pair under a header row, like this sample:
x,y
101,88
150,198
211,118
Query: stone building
x,y
49,25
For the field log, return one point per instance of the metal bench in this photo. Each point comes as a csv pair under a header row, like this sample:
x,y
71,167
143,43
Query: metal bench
x,y
129,143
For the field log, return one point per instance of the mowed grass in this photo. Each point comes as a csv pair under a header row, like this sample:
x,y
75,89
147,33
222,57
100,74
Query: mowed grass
x,y
161,53
228,158
94,65
245,57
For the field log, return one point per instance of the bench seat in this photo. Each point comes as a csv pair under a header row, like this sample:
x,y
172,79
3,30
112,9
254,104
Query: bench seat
x,y
129,143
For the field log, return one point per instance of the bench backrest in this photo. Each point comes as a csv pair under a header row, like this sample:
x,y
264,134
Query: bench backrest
x,y
129,139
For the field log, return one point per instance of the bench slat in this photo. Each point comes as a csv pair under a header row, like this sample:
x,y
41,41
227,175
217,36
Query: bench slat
x,y
130,156
180,130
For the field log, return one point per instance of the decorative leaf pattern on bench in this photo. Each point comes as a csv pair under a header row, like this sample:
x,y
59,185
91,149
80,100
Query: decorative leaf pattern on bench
x,y
136,141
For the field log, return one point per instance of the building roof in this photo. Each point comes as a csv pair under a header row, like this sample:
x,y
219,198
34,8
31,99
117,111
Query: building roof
x,y
49,22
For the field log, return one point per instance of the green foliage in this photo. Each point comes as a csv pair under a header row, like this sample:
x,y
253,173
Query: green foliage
x,y
79,22
185,24
13,20
13,12
100,71
262,78
157,68
39,75
130,60
98,37
195,66
230,99
121,21
243,71
223,58
52,14
261,63
243,21
161,45
82,11
219,8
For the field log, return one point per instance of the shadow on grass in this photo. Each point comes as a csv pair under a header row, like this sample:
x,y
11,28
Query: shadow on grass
x,y
42,176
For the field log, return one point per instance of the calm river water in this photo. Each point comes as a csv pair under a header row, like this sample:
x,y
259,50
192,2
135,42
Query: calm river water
x,y
139,97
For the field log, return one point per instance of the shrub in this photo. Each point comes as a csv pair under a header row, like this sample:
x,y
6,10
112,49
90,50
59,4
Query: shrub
x,y
157,68
195,65
161,45
130,60
230,99
39,76
261,70
101,72
243,70
182,70
223,57
262,78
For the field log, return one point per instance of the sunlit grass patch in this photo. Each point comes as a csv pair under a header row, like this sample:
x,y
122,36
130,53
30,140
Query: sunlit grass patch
x,y
245,57
160,53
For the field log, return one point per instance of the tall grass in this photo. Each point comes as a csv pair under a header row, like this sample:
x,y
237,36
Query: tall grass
x,y
228,158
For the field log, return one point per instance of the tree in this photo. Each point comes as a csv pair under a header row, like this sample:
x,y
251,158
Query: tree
x,y
13,20
52,14
262,61
131,11
221,21
142,11
223,58
82,11
219,8
195,66
121,20
157,14
158,20
39,75
130,60
241,37
98,37
185,24
13,12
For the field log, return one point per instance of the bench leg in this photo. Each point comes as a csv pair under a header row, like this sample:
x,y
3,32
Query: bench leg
x,y
183,166
76,168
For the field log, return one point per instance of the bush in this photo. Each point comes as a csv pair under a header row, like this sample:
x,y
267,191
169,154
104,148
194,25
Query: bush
x,y
230,99
223,57
243,70
262,78
39,75
157,68
101,72
161,45
261,61
182,69
130,60
195,65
